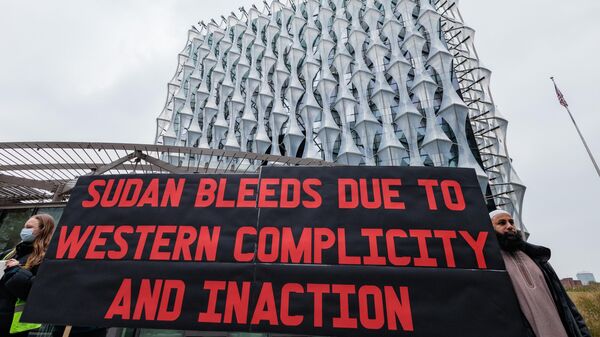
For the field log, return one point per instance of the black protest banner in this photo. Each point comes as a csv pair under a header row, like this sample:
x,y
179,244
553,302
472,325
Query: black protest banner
x,y
318,251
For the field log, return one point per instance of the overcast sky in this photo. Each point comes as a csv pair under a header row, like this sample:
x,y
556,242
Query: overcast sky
x,y
97,71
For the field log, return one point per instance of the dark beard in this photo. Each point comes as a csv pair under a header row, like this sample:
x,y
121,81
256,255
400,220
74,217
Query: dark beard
x,y
510,242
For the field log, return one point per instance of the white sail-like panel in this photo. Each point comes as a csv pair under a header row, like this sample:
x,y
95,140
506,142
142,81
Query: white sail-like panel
x,y
356,82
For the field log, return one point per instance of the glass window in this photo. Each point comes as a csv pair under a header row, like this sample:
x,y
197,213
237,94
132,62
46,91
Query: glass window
x,y
55,212
160,333
11,222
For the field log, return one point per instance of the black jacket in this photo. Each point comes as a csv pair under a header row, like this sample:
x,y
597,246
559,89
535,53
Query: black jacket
x,y
573,321
15,283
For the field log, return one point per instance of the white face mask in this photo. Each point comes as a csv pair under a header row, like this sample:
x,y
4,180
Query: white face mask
x,y
27,235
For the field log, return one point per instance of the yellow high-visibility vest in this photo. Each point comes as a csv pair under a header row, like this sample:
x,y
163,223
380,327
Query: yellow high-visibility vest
x,y
18,326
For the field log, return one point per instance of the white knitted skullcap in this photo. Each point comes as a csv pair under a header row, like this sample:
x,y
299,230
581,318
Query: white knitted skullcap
x,y
498,212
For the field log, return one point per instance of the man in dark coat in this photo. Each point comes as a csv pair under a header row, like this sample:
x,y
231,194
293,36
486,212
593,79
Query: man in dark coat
x,y
542,298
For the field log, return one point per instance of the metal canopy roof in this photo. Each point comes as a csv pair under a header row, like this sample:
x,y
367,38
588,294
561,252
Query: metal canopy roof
x,y
33,172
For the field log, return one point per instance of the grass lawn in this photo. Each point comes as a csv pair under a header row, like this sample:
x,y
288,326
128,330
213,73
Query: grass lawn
x,y
587,299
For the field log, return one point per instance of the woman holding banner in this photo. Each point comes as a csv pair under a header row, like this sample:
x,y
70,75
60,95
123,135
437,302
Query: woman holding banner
x,y
20,266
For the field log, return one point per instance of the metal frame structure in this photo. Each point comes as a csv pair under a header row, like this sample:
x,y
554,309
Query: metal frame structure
x,y
41,172
355,82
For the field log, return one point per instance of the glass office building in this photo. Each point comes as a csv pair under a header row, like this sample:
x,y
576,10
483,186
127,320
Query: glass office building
x,y
352,82
586,278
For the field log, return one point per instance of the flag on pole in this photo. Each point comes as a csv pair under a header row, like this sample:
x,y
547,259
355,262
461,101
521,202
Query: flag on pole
x,y
561,97
563,102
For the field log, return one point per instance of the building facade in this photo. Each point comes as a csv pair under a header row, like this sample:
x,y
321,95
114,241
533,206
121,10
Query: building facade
x,y
570,283
355,82
586,278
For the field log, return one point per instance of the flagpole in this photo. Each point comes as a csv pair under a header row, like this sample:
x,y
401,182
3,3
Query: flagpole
x,y
566,106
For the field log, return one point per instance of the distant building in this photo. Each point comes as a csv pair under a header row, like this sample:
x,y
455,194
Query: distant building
x,y
586,278
570,283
